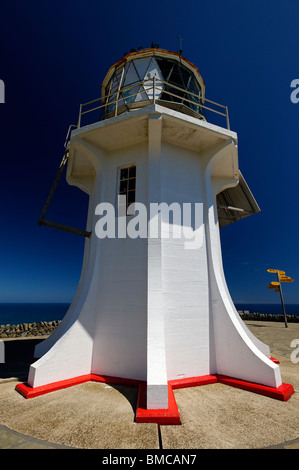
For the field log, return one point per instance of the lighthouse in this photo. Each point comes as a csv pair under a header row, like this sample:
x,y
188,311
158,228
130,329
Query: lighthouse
x,y
152,306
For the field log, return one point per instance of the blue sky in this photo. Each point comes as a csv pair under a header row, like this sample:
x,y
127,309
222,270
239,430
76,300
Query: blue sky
x,y
54,56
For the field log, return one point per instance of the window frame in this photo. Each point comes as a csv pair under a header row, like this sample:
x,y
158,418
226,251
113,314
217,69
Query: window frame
x,y
118,193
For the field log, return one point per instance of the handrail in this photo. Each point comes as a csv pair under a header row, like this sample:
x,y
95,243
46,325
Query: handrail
x,y
118,100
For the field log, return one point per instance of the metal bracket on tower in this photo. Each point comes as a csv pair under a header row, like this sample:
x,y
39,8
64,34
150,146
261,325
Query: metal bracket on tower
x,y
48,223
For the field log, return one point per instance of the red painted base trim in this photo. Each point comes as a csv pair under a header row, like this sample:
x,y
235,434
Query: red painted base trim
x,y
30,392
275,360
283,392
171,414
193,381
168,416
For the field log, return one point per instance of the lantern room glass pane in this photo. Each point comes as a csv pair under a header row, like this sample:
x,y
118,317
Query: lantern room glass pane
x,y
130,95
131,76
142,96
153,71
175,76
141,66
166,67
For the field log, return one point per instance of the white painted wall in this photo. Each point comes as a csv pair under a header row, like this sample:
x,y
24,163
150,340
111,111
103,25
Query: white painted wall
x,y
185,277
236,355
121,324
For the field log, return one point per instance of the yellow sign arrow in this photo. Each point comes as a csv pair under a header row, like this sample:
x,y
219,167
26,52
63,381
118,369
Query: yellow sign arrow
x,y
281,275
276,271
274,285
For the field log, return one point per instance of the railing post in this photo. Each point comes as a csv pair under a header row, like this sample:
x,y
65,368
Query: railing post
x,y
116,104
227,118
79,117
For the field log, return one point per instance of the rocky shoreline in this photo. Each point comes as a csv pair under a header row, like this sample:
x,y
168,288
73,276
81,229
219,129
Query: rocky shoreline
x,y
268,317
44,328
41,328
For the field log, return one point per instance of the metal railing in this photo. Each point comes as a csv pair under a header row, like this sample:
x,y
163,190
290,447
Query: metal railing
x,y
116,103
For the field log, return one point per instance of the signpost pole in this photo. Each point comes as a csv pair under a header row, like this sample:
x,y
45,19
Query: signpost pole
x,y
282,302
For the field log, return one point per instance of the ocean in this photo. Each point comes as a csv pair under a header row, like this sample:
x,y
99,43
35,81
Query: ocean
x,y
18,313
14,314
269,309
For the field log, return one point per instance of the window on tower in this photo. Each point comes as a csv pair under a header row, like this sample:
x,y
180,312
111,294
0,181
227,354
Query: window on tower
x,y
127,187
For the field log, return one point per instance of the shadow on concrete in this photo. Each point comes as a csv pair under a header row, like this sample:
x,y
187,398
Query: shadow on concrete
x,y
18,355
257,326
18,370
130,393
20,350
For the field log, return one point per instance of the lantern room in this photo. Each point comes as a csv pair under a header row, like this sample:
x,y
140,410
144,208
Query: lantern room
x,y
153,75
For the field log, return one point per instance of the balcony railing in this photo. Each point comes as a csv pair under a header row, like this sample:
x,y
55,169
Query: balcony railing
x,y
177,98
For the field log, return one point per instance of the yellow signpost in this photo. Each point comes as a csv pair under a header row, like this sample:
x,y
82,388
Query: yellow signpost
x,y
286,279
276,285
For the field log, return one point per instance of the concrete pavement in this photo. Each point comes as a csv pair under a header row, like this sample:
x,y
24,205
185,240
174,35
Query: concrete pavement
x,y
100,416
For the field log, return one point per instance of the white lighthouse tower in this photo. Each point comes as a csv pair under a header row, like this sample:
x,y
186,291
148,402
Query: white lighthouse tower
x,y
155,309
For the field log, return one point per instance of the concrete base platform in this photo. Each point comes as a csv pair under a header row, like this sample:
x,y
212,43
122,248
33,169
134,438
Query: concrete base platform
x,y
99,416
